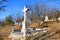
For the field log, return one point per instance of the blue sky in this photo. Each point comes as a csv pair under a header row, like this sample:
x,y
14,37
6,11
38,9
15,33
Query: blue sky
x,y
14,6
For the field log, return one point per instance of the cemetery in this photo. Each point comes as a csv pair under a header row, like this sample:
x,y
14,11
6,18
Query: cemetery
x,y
39,20
26,32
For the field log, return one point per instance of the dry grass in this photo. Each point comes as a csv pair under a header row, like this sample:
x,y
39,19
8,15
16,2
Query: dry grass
x,y
6,30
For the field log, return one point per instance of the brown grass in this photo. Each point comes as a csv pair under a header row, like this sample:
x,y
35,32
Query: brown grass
x,y
7,29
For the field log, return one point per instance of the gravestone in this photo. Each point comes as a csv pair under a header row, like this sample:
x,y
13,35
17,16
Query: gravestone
x,y
46,18
25,23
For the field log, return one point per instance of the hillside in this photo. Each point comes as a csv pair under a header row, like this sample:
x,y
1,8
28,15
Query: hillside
x,y
5,31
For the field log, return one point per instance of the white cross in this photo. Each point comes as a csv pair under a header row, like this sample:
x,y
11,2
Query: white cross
x,y
25,9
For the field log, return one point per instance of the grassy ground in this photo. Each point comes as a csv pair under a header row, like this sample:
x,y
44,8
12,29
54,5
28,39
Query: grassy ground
x,y
5,31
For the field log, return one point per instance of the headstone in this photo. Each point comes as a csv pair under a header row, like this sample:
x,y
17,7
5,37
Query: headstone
x,y
46,18
58,18
25,23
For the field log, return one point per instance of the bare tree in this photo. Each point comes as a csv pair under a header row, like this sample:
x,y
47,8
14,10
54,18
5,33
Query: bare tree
x,y
2,7
36,11
17,17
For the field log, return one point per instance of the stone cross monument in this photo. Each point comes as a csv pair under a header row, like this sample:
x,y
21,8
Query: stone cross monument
x,y
25,22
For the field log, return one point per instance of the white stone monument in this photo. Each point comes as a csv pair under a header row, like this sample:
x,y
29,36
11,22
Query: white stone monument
x,y
46,18
25,23
58,18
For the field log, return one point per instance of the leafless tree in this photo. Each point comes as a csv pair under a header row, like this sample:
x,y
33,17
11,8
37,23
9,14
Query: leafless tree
x,y
36,11
2,7
17,17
